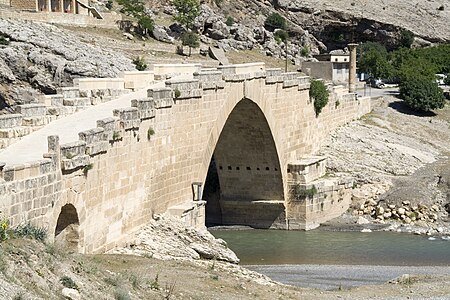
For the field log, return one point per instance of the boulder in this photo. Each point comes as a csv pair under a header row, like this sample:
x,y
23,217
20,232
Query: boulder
x,y
128,35
401,211
362,221
223,254
71,294
160,34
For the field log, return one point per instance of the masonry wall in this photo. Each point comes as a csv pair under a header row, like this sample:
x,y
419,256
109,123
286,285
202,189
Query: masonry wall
x,y
118,176
24,4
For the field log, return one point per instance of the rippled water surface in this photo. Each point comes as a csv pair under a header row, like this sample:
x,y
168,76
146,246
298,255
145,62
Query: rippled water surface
x,y
277,247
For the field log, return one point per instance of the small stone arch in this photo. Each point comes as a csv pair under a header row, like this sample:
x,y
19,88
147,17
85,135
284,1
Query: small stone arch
x,y
67,227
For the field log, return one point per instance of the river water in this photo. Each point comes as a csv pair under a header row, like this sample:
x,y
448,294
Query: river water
x,y
328,260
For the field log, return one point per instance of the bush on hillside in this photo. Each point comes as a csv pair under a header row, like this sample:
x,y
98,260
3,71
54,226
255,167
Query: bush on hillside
x,y
406,39
281,36
275,21
422,94
191,40
319,94
140,64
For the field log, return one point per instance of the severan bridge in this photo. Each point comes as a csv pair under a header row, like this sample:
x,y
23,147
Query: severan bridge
x,y
241,135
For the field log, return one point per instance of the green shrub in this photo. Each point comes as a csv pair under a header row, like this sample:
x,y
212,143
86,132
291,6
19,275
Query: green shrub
x,y
4,229
68,282
281,36
4,40
150,132
299,192
116,136
31,231
140,64
136,9
319,94
229,21
109,4
406,39
87,168
422,94
275,21
177,93
305,51
121,294
187,11
191,40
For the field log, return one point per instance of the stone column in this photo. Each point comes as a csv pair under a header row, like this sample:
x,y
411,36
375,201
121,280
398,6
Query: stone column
x,y
61,5
49,5
352,69
74,6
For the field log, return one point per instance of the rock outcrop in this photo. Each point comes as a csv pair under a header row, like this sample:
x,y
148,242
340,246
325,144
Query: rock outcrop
x,y
41,57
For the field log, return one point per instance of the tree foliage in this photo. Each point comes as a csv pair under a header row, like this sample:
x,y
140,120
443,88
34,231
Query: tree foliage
x,y
191,40
319,94
422,94
187,11
447,79
406,39
275,21
281,35
136,9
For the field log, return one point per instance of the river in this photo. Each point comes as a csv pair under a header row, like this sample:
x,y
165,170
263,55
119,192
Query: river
x,y
329,260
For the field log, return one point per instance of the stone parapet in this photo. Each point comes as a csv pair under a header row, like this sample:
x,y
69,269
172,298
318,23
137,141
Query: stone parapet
x,y
109,125
166,71
145,106
10,121
306,170
31,110
137,79
128,118
210,80
185,89
163,97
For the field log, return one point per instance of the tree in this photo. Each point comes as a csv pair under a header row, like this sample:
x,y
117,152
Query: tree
x,y
421,93
376,64
136,9
406,39
190,39
319,93
187,11
275,21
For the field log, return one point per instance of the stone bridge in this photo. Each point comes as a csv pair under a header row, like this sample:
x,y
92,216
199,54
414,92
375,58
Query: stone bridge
x,y
240,137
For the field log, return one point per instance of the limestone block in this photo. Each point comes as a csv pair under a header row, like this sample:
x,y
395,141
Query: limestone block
x,y
31,110
129,117
61,110
258,75
273,72
92,136
12,133
38,121
77,102
10,121
69,92
74,149
184,89
210,80
305,170
97,148
146,107
74,163
163,97
109,126
236,77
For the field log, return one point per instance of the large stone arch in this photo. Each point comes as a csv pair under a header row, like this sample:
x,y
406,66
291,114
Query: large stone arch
x,y
249,167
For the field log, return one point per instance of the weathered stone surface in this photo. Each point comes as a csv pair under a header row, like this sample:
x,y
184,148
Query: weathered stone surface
x,y
71,294
160,34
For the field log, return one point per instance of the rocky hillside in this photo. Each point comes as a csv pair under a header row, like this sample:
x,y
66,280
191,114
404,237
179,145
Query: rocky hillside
x,y
41,57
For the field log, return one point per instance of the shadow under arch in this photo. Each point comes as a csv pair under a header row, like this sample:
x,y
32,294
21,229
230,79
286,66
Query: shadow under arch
x,y
244,185
67,227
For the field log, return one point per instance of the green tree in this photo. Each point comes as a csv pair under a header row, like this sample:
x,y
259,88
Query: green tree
x,y
281,36
319,94
190,39
414,67
406,39
275,21
136,9
187,11
422,94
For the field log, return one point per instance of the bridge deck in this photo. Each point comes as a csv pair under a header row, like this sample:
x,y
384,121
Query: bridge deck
x,y
31,147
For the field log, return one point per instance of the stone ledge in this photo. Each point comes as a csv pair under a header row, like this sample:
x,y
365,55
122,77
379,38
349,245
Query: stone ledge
x,y
128,117
163,97
31,110
10,121
145,106
74,163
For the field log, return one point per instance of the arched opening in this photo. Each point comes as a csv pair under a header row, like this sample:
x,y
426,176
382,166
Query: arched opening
x,y
244,185
67,227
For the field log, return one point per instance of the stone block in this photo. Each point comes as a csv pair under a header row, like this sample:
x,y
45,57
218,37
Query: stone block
x,y
184,89
10,121
71,150
31,110
92,136
128,117
60,111
14,133
306,170
75,162
97,148
163,97
77,102
109,126
69,92
146,107
210,80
